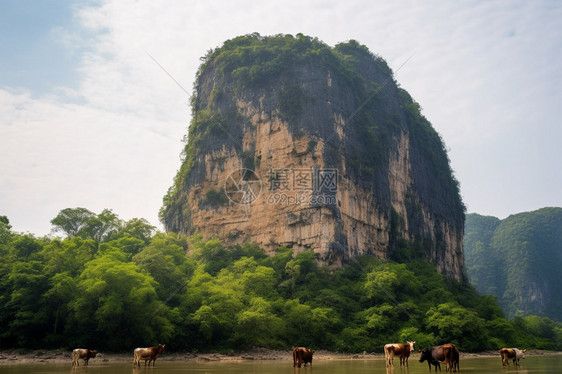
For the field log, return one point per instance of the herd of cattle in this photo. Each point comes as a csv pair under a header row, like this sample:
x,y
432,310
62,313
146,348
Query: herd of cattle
x,y
446,353
147,354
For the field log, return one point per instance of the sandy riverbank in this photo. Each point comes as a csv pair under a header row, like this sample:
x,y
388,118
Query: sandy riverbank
x,y
59,356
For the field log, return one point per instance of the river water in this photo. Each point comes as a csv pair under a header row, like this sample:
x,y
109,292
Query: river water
x,y
548,364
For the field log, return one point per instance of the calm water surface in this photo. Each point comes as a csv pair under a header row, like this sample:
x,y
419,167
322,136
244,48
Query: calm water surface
x,y
533,364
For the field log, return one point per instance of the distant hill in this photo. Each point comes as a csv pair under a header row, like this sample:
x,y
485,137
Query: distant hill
x,y
518,259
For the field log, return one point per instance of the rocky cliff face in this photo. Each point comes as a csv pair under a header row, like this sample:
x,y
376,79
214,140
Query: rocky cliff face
x,y
297,144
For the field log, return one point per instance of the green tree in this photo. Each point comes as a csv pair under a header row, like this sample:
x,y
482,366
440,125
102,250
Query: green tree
x,y
72,220
118,305
258,326
168,264
254,279
57,299
86,224
69,255
5,230
211,254
102,226
138,228
27,247
451,323
26,316
213,304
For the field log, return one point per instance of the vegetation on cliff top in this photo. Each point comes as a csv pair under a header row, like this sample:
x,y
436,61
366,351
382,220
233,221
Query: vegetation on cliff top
x,y
518,260
118,285
249,62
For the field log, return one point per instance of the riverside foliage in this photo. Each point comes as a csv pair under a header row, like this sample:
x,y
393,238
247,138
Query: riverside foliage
x,y
114,284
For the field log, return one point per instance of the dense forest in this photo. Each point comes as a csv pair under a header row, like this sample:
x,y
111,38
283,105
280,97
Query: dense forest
x,y
114,284
517,259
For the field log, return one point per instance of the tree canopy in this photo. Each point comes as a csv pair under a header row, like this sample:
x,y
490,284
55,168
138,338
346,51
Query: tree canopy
x,y
130,288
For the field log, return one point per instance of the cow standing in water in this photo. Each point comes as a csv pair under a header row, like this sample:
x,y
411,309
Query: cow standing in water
x,y
427,356
514,353
147,354
447,353
81,353
302,355
398,349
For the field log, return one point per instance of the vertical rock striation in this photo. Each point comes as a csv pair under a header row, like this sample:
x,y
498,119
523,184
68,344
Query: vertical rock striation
x,y
294,143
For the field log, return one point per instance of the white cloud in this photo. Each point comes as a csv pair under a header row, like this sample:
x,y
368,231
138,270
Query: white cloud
x,y
62,156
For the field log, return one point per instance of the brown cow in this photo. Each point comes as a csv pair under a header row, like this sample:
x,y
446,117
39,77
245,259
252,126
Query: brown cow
x,y
398,349
454,359
513,353
147,354
302,355
81,353
447,353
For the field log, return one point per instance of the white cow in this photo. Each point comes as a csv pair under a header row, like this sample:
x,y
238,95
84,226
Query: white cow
x,y
147,354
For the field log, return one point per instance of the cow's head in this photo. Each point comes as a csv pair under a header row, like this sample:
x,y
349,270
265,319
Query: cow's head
x,y
411,344
425,354
161,348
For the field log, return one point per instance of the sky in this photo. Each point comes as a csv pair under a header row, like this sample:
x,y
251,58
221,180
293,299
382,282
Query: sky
x,y
94,95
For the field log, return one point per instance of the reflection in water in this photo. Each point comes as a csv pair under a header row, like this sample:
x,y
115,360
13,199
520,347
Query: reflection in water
x,y
403,369
518,369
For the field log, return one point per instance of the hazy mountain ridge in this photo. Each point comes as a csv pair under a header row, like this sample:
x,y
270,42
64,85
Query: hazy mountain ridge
x,y
517,259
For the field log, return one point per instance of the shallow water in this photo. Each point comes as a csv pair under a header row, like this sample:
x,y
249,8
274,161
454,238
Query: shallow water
x,y
550,364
